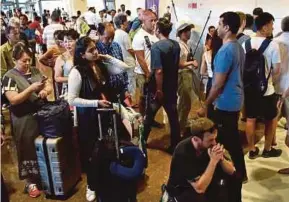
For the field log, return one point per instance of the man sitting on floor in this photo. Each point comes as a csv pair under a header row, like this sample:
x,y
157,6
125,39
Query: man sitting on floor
x,y
200,169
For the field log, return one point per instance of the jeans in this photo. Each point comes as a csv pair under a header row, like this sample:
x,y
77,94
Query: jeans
x,y
171,109
228,135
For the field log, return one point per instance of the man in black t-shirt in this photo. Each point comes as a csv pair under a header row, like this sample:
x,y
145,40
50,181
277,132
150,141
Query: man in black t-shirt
x,y
201,170
163,82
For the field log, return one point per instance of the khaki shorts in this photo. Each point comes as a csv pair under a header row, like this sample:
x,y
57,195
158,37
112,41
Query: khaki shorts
x,y
140,81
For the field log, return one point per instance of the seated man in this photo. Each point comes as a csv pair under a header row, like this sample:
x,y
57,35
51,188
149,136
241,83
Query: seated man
x,y
200,169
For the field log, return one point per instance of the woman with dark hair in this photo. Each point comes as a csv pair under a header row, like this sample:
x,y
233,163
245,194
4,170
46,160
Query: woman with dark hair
x,y
64,62
24,86
213,44
85,87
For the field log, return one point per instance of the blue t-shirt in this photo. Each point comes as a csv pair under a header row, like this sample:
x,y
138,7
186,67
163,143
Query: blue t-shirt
x,y
230,60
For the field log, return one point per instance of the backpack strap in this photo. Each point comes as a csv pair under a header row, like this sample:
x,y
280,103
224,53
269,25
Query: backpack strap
x,y
248,45
264,45
240,35
262,48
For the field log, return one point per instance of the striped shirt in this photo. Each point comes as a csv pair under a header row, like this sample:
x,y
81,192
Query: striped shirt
x,y
48,33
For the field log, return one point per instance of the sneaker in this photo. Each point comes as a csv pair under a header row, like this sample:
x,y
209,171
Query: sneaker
x,y
272,153
254,154
90,195
32,190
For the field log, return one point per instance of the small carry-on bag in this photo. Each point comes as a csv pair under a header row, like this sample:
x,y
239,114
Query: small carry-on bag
x,y
55,119
59,165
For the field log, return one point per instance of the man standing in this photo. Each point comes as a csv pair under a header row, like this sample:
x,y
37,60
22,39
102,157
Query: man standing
x,y
163,83
227,93
185,79
142,43
263,105
49,30
122,38
106,45
91,18
13,36
30,34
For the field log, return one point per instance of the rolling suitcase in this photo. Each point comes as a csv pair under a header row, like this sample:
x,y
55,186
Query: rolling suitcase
x,y
111,159
59,165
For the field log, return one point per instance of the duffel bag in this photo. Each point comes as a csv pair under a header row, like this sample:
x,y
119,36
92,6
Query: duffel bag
x,y
55,119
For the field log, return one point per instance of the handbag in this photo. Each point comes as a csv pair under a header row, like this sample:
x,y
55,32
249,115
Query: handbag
x,y
55,119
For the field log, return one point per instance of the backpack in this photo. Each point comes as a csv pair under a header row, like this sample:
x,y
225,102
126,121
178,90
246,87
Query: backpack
x,y
254,75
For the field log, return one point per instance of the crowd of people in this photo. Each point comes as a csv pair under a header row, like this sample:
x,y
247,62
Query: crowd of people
x,y
99,59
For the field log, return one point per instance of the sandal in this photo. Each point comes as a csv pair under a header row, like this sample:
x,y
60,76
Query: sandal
x,y
32,190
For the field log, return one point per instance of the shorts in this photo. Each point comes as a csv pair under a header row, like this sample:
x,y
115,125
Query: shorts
x,y
264,107
140,81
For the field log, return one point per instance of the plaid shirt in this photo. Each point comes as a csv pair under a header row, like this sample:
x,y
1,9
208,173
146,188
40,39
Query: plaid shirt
x,y
112,49
118,83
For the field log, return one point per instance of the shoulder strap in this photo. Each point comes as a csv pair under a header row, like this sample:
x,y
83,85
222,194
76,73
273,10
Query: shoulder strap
x,y
264,45
240,35
248,45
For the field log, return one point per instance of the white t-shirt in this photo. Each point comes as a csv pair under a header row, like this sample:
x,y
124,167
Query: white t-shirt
x,y
91,18
122,38
283,83
272,55
139,44
208,58
49,32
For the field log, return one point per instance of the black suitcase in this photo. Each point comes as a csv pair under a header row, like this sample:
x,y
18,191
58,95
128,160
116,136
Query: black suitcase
x,y
110,188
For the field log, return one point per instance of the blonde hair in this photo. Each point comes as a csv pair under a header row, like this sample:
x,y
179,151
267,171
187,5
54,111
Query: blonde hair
x,y
242,17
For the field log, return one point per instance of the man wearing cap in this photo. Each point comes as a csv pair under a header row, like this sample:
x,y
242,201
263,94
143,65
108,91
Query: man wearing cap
x,y
201,170
185,79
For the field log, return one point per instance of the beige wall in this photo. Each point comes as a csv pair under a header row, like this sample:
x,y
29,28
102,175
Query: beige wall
x,y
72,6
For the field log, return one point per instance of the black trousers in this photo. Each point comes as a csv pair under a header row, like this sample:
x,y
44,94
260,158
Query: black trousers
x,y
171,109
228,135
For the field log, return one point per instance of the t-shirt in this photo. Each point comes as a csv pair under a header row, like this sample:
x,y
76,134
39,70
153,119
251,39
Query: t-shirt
x,y
165,56
186,166
185,50
122,38
49,32
139,44
230,60
283,83
272,55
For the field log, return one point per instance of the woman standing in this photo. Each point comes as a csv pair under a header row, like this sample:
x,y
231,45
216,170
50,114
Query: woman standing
x,y
85,87
64,62
24,86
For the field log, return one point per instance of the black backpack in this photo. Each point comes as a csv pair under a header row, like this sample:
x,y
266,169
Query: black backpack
x,y
254,76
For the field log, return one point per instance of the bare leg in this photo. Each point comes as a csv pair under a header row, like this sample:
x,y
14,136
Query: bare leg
x,y
250,132
270,129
